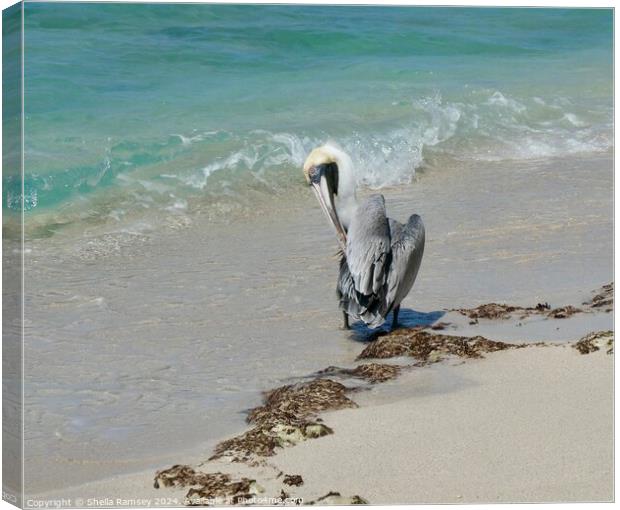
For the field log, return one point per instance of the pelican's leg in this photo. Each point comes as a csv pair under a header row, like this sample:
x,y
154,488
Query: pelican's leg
x,y
345,322
395,317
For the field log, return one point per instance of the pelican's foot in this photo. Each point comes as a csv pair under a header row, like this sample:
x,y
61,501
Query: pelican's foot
x,y
395,319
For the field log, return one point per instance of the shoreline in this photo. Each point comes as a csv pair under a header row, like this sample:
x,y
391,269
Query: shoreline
x,y
517,256
459,419
441,402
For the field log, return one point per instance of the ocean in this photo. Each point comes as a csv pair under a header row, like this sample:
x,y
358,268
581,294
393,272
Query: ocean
x,y
137,111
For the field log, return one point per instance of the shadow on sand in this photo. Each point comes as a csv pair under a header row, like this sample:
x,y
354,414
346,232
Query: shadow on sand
x,y
407,318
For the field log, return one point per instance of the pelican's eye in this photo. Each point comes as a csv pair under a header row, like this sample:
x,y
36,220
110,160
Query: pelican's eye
x,y
327,170
314,174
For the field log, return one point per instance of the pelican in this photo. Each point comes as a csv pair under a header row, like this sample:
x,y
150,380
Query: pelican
x,y
379,257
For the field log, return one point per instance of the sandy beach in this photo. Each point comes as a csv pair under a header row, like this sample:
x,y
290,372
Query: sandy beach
x,y
528,424
522,426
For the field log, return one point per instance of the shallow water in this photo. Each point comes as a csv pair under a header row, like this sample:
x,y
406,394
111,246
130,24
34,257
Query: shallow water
x,y
161,111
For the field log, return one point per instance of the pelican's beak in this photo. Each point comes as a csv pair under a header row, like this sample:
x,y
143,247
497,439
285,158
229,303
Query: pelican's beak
x,y
324,185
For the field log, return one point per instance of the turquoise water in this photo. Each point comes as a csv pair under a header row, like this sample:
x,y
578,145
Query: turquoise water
x,y
137,109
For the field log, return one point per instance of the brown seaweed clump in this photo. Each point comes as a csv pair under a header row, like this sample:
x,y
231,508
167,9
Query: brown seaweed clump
x,y
207,488
287,417
604,298
430,347
563,312
371,372
294,480
503,311
334,498
258,441
294,403
489,311
594,341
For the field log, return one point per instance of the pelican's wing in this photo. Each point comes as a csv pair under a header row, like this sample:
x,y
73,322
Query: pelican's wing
x,y
407,251
368,250
347,295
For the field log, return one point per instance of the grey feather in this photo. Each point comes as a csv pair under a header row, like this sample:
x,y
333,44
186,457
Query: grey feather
x,y
380,264
356,305
368,246
407,250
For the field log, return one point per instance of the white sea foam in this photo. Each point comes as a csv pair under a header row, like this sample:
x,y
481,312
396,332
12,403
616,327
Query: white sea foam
x,y
574,120
385,157
499,99
495,128
190,139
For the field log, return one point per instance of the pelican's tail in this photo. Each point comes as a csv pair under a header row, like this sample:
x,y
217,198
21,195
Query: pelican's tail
x,y
358,306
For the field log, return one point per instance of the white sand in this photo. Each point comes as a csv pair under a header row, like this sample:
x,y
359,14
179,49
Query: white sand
x,y
527,425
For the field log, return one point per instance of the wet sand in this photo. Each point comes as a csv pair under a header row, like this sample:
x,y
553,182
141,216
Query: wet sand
x,y
151,329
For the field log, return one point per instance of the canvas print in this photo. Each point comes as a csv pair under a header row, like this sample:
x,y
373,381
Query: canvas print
x,y
306,255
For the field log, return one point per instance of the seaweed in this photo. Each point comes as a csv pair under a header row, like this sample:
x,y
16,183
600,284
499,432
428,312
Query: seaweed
x,y
334,498
207,488
371,372
604,298
295,480
287,417
563,312
503,311
593,342
489,311
430,347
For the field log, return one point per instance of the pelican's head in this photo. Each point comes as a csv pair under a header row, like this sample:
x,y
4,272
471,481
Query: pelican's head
x,y
323,171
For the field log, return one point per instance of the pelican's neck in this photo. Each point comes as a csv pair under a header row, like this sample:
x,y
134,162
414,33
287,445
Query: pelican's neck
x,y
345,200
346,207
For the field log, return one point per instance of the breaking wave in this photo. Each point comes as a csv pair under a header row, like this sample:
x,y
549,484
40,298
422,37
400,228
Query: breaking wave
x,y
238,167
